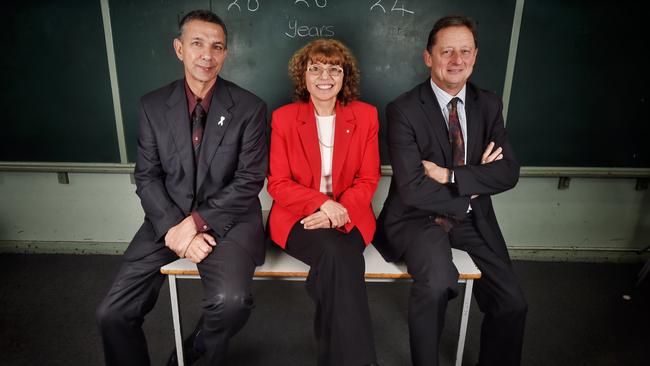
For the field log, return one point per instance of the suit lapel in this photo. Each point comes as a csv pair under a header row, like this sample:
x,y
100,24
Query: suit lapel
x,y
178,120
473,126
343,132
215,127
309,139
432,110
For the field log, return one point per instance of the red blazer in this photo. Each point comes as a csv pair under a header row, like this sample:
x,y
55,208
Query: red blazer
x,y
295,167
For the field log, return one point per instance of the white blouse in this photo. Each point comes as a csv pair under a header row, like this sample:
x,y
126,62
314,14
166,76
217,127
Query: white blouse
x,y
325,126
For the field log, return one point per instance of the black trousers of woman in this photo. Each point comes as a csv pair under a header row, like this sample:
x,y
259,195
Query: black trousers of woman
x,y
337,286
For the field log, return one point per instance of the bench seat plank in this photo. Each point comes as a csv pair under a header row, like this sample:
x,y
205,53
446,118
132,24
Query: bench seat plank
x,y
281,265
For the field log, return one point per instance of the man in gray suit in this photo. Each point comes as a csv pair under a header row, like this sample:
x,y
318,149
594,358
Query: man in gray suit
x,y
449,152
202,160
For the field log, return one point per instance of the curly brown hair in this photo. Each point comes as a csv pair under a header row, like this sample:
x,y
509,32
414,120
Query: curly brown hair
x,y
327,51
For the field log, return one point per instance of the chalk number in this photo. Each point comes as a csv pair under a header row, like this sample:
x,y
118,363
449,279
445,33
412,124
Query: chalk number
x,y
252,5
393,8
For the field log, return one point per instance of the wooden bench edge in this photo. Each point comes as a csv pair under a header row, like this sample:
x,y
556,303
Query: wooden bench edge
x,y
394,276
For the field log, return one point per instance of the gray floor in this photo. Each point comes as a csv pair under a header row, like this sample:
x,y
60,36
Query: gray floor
x,y
577,316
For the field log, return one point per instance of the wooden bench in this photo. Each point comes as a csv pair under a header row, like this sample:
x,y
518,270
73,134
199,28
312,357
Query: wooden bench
x,y
281,266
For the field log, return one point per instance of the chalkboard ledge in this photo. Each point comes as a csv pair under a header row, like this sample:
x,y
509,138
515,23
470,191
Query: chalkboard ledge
x,y
65,167
574,172
386,170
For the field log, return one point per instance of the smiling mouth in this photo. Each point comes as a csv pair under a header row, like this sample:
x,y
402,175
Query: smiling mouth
x,y
324,86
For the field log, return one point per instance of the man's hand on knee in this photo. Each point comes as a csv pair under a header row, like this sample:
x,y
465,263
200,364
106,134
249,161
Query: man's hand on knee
x,y
200,247
179,237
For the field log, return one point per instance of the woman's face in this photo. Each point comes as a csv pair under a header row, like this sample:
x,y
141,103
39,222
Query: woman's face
x,y
323,81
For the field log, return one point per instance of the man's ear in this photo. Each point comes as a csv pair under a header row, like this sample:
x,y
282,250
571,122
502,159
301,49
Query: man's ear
x,y
178,47
427,58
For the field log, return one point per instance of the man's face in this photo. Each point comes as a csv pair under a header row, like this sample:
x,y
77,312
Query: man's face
x,y
452,58
202,49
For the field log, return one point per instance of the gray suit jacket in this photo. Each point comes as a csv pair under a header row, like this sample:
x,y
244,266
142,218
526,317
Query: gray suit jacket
x,y
223,187
417,131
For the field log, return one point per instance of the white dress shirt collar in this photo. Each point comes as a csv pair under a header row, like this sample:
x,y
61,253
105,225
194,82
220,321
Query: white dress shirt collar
x,y
444,98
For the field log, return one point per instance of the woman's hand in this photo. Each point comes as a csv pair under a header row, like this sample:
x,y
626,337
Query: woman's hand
x,y
336,212
317,220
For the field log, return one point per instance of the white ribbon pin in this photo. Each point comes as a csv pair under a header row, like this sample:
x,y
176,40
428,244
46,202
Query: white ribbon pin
x,y
220,123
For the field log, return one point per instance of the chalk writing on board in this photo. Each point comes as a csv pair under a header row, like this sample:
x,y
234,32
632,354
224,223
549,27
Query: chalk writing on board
x,y
395,8
297,30
251,5
319,3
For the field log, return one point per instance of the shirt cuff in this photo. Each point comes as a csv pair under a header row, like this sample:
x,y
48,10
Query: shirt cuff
x,y
201,225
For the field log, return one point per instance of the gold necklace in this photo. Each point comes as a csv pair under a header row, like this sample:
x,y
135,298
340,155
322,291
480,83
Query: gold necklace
x,y
325,145
321,142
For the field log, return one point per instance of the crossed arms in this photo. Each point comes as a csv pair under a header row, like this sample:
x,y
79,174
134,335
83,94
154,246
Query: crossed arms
x,y
424,184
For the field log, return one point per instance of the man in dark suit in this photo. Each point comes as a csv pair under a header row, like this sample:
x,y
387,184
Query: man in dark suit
x,y
202,160
449,154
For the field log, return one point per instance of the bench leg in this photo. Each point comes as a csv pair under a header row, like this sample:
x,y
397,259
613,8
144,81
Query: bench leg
x,y
176,317
467,301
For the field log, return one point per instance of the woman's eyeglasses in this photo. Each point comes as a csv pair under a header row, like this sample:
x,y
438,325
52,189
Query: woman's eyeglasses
x,y
317,70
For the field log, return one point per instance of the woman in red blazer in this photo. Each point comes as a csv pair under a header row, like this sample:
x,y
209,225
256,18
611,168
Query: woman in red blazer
x,y
324,170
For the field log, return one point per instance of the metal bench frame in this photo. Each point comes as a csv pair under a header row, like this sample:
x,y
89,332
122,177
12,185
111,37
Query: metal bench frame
x,y
279,266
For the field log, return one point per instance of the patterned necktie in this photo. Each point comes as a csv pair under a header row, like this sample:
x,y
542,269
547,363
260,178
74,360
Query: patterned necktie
x,y
457,154
198,124
456,135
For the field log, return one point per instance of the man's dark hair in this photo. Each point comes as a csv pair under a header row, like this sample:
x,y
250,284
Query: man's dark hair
x,y
451,21
203,15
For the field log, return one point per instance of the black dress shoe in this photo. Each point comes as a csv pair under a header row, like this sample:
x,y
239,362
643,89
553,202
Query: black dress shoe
x,y
193,349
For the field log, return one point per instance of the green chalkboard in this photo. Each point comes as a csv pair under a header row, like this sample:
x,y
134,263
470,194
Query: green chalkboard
x,y
387,37
578,99
55,94
580,91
